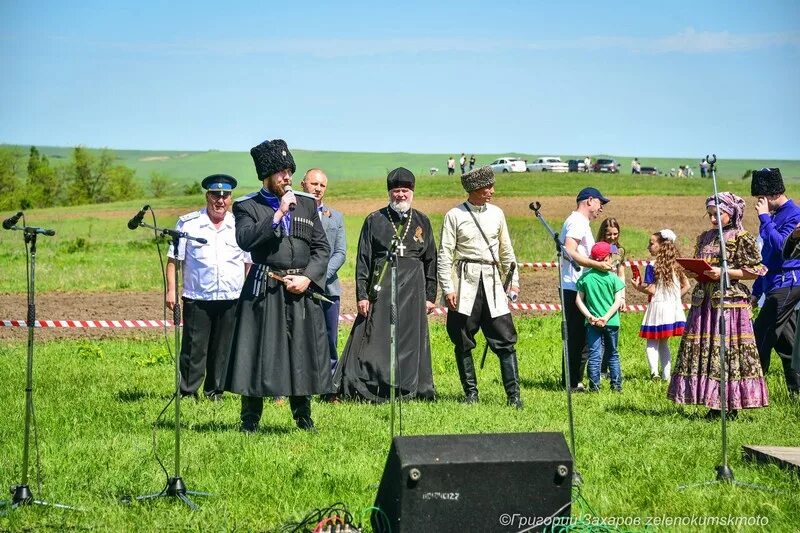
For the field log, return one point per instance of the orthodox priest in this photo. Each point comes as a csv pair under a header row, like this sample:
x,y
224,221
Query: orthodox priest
x,y
363,370
280,345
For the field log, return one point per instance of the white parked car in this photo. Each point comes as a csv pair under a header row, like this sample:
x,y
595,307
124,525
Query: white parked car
x,y
548,164
508,164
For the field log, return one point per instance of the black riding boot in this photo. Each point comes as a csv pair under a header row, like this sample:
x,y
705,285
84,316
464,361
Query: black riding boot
x,y
466,371
792,377
510,375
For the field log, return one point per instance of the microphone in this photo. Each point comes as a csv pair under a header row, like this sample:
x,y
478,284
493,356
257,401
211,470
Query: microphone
x,y
11,221
292,205
40,231
137,219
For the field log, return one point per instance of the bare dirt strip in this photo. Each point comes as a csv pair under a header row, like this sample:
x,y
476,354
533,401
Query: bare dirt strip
x,y
683,214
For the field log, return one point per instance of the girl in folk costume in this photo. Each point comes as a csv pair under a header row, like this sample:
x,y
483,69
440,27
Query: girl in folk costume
x,y
665,282
696,378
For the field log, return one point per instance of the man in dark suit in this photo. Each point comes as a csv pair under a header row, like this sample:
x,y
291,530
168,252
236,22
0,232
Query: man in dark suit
x,y
315,183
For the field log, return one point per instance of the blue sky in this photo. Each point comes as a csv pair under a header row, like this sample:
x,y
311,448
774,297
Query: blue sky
x,y
680,78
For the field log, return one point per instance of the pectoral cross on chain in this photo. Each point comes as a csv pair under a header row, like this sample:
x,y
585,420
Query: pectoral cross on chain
x,y
401,248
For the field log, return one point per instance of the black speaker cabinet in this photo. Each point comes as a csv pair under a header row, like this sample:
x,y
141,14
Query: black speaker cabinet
x,y
465,483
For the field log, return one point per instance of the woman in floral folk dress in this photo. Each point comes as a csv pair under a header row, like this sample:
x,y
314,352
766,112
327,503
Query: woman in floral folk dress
x,y
696,377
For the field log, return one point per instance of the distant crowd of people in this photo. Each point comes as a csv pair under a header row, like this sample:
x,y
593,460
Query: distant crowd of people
x,y
262,298
463,163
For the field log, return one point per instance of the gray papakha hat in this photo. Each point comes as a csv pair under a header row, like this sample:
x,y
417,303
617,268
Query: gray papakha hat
x,y
477,179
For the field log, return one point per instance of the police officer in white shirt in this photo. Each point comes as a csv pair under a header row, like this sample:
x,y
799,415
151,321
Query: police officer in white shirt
x,y
213,275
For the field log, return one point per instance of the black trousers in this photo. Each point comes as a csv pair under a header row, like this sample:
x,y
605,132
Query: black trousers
x,y
576,339
500,332
207,336
332,325
253,406
775,328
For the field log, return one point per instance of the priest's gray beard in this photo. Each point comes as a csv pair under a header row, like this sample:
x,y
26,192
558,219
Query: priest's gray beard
x,y
400,207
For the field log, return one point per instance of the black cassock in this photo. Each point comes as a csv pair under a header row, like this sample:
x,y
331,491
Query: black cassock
x,y
363,369
280,345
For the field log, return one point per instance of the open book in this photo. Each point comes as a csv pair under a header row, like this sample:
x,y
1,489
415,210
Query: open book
x,y
698,266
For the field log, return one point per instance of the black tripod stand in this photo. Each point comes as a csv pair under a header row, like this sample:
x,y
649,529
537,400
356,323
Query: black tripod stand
x,y
563,255
724,472
175,486
21,494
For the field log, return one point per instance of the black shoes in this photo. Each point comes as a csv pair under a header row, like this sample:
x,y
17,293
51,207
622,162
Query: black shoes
x,y
714,414
249,427
306,424
515,402
471,397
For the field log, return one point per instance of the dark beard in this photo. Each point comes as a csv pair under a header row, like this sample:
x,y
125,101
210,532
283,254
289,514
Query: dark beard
x,y
275,186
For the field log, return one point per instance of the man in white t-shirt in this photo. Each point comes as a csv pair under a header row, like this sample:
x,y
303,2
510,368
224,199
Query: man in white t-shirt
x,y
576,236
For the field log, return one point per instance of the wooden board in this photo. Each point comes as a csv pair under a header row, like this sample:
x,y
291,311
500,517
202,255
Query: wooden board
x,y
785,457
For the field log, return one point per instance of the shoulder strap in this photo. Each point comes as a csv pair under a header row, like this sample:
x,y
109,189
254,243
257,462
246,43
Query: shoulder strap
x,y
489,246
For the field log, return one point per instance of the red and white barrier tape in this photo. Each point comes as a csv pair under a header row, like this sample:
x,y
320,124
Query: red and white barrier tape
x,y
554,264
88,323
128,324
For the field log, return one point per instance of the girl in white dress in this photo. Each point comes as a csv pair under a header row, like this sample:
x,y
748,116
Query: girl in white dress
x,y
665,283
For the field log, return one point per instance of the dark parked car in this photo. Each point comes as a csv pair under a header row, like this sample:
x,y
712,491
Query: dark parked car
x,y
652,171
574,165
605,165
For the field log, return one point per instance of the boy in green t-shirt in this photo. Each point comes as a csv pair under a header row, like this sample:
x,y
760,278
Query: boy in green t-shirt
x,y
600,295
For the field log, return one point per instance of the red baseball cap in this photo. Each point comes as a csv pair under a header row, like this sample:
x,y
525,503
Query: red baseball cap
x,y
600,251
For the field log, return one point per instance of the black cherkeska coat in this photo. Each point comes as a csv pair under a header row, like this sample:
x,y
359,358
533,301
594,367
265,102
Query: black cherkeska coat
x,y
280,345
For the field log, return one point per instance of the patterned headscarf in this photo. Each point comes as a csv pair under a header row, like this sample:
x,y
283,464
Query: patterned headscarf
x,y
731,204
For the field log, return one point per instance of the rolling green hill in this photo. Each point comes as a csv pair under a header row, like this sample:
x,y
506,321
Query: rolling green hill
x,y
186,166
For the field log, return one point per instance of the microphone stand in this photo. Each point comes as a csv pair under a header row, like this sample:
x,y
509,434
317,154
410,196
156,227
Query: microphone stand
x,y
392,258
563,255
724,472
175,486
21,494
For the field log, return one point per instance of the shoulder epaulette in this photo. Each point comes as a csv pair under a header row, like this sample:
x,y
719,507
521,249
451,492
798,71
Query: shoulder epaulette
x,y
189,216
246,197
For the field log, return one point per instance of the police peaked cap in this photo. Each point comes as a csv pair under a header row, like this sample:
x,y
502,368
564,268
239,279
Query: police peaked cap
x,y
219,182
271,157
767,182
400,177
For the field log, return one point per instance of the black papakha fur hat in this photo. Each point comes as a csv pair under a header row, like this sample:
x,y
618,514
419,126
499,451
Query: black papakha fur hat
x,y
400,177
271,157
767,182
477,179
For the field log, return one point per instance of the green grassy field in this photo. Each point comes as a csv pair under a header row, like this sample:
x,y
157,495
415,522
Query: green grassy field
x,y
188,166
97,399
94,246
96,403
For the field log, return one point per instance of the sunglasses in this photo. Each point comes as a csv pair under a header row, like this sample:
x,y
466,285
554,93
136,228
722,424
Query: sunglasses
x,y
219,194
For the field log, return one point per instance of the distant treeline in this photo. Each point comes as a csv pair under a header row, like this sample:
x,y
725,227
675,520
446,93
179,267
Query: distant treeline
x,y
29,180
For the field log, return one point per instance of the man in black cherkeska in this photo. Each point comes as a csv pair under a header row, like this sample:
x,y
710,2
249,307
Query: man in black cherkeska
x,y
280,345
363,370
